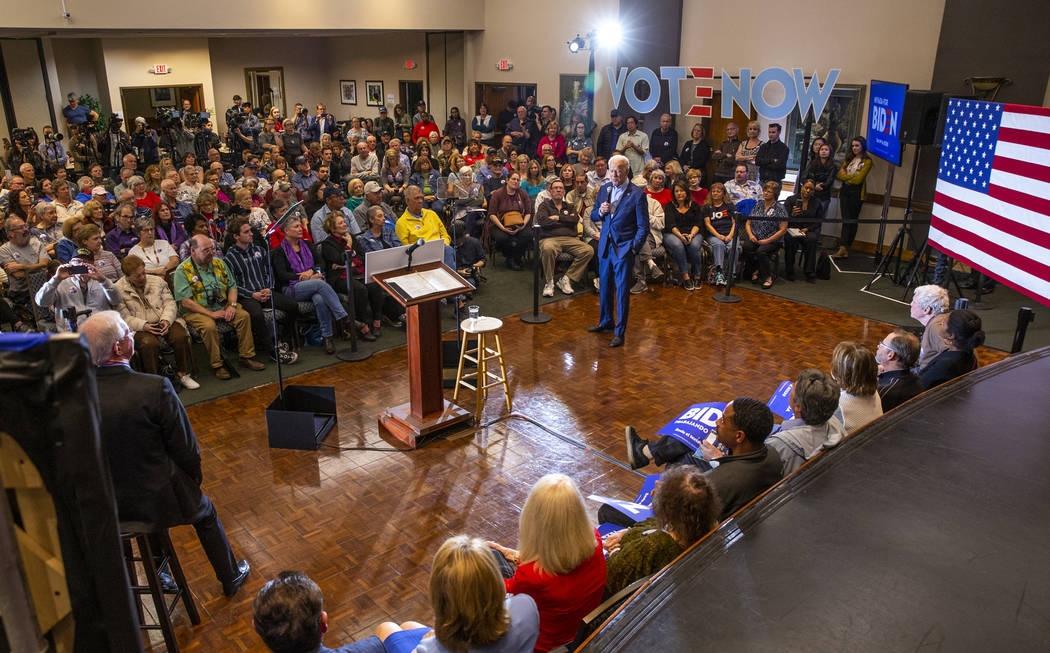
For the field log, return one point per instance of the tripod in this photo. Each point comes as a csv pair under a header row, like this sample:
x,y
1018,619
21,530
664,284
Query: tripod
x,y
897,246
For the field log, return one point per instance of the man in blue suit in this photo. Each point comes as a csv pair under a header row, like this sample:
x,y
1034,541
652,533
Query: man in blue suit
x,y
322,123
622,210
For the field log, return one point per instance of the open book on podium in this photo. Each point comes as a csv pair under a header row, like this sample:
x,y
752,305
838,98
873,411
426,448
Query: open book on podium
x,y
418,280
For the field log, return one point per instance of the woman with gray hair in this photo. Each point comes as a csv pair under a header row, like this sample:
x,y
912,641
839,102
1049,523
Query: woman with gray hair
x,y
814,400
143,198
158,255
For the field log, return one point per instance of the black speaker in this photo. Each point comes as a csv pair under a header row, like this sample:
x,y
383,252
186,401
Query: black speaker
x,y
942,115
919,119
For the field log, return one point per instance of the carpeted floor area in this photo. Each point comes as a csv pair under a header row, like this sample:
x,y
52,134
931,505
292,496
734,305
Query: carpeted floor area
x,y
506,293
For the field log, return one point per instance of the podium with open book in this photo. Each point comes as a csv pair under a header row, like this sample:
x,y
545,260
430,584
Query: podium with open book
x,y
419,288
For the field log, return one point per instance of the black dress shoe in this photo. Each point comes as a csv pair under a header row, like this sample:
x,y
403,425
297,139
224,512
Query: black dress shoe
x,y
243,569
329,346
617,341
635,444
598,328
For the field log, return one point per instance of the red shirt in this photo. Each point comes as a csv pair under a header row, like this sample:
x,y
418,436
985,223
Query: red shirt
x,y
663,197
423,129
699,196
149,201
562,600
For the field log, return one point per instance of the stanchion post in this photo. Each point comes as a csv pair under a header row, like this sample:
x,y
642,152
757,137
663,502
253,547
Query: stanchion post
x,y
535,317
728,297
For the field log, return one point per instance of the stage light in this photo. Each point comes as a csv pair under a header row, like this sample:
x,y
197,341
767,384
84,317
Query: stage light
x,y
609,35
576,44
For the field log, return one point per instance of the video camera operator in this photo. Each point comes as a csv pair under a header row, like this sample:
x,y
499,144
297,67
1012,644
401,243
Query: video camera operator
x,y
233,112
242,132
83,147
24,150
113,146
77,114
145,142
52,150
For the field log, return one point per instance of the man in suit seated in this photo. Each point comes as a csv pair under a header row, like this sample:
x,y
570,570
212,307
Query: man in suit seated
x,y
623,212
152,451
287,615
896,355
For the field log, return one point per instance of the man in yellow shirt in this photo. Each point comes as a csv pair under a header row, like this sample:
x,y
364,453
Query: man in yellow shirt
x,y
417,222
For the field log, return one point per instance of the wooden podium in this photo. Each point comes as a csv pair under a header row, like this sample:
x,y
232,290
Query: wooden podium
x,y
427,411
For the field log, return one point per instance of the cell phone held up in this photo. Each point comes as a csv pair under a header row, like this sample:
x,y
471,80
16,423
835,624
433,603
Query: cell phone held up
x,y
78,269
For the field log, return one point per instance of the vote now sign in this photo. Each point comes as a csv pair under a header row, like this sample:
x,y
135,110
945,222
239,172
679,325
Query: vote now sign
x,y
746,91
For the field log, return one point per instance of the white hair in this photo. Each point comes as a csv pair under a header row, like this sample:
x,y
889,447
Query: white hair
x,y
103,331
619,158
931,297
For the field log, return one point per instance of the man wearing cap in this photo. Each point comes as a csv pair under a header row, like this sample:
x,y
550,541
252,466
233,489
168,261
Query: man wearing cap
x,y
609,135
373,197
384,124
485,169
334,200
86,292
364,166
496,180
251,171
233,111
421,110
304,176
207,292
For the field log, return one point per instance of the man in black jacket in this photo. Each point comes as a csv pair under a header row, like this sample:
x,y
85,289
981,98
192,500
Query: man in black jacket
x,y
772,157
896,355
663,144
151,448
609,134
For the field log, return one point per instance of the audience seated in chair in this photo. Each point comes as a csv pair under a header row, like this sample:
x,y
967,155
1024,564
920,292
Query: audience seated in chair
x,y
288,614
720,226
685,509
961,334
368,300
814,400
510,215
801,208
418,222
472,609
750,469
21,256
157,255
560,563
207,294
558,224
149,309
896,355
80,293
681,234
652,249
764,229
929,306
853,367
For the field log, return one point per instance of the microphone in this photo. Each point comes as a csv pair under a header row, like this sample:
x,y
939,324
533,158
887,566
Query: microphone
x,y
419,243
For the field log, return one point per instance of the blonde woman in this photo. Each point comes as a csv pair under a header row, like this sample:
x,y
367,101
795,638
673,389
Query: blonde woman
x,y
749,148
854,368
560,563
472,610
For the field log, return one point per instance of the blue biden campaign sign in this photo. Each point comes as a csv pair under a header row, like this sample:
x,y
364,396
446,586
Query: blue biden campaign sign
x,y
884,120
696,424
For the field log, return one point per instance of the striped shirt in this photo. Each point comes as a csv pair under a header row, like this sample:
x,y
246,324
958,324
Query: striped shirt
x,y
249,267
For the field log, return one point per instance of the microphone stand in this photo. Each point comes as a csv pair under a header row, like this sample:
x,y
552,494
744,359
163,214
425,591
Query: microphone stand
x,y
352,355
535,317
273,307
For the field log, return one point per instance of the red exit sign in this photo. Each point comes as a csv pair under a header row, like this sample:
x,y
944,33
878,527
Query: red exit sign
x,y
504,64
161,69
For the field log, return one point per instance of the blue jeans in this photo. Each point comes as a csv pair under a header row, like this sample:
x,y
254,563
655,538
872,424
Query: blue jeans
x,y
719,249
680,251
325,301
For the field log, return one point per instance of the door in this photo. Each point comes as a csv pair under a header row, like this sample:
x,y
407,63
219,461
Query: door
x,y
715,127
265,88
496,97
409,93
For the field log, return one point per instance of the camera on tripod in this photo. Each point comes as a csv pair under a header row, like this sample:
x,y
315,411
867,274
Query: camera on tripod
x,y
52,137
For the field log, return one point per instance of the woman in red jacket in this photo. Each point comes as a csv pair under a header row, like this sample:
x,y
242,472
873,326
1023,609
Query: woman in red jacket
x,y
560,564
555,140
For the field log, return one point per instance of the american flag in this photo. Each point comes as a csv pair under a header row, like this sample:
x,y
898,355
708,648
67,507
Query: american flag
x,y
991,206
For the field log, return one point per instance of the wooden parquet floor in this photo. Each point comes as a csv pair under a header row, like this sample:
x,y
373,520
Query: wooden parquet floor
x,y
365,524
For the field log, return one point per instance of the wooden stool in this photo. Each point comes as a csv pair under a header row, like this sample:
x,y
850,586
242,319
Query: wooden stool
x,y
481,327
142,534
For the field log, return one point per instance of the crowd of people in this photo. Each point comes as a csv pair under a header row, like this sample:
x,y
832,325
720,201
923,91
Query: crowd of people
x,y
140,249
486,180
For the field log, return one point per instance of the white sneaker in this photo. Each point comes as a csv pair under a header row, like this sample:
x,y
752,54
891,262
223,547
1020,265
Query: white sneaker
x,y
548,289
565,285
187,382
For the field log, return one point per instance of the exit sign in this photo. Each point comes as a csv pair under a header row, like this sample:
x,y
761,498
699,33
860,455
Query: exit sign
x,y
410,64
161,69
504,64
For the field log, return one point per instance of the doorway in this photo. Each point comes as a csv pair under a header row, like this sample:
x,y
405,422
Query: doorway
x,y
409,93
265,88
496,97
148,101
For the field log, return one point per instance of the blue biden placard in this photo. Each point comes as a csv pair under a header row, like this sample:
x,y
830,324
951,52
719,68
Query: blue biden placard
x,y
884,120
